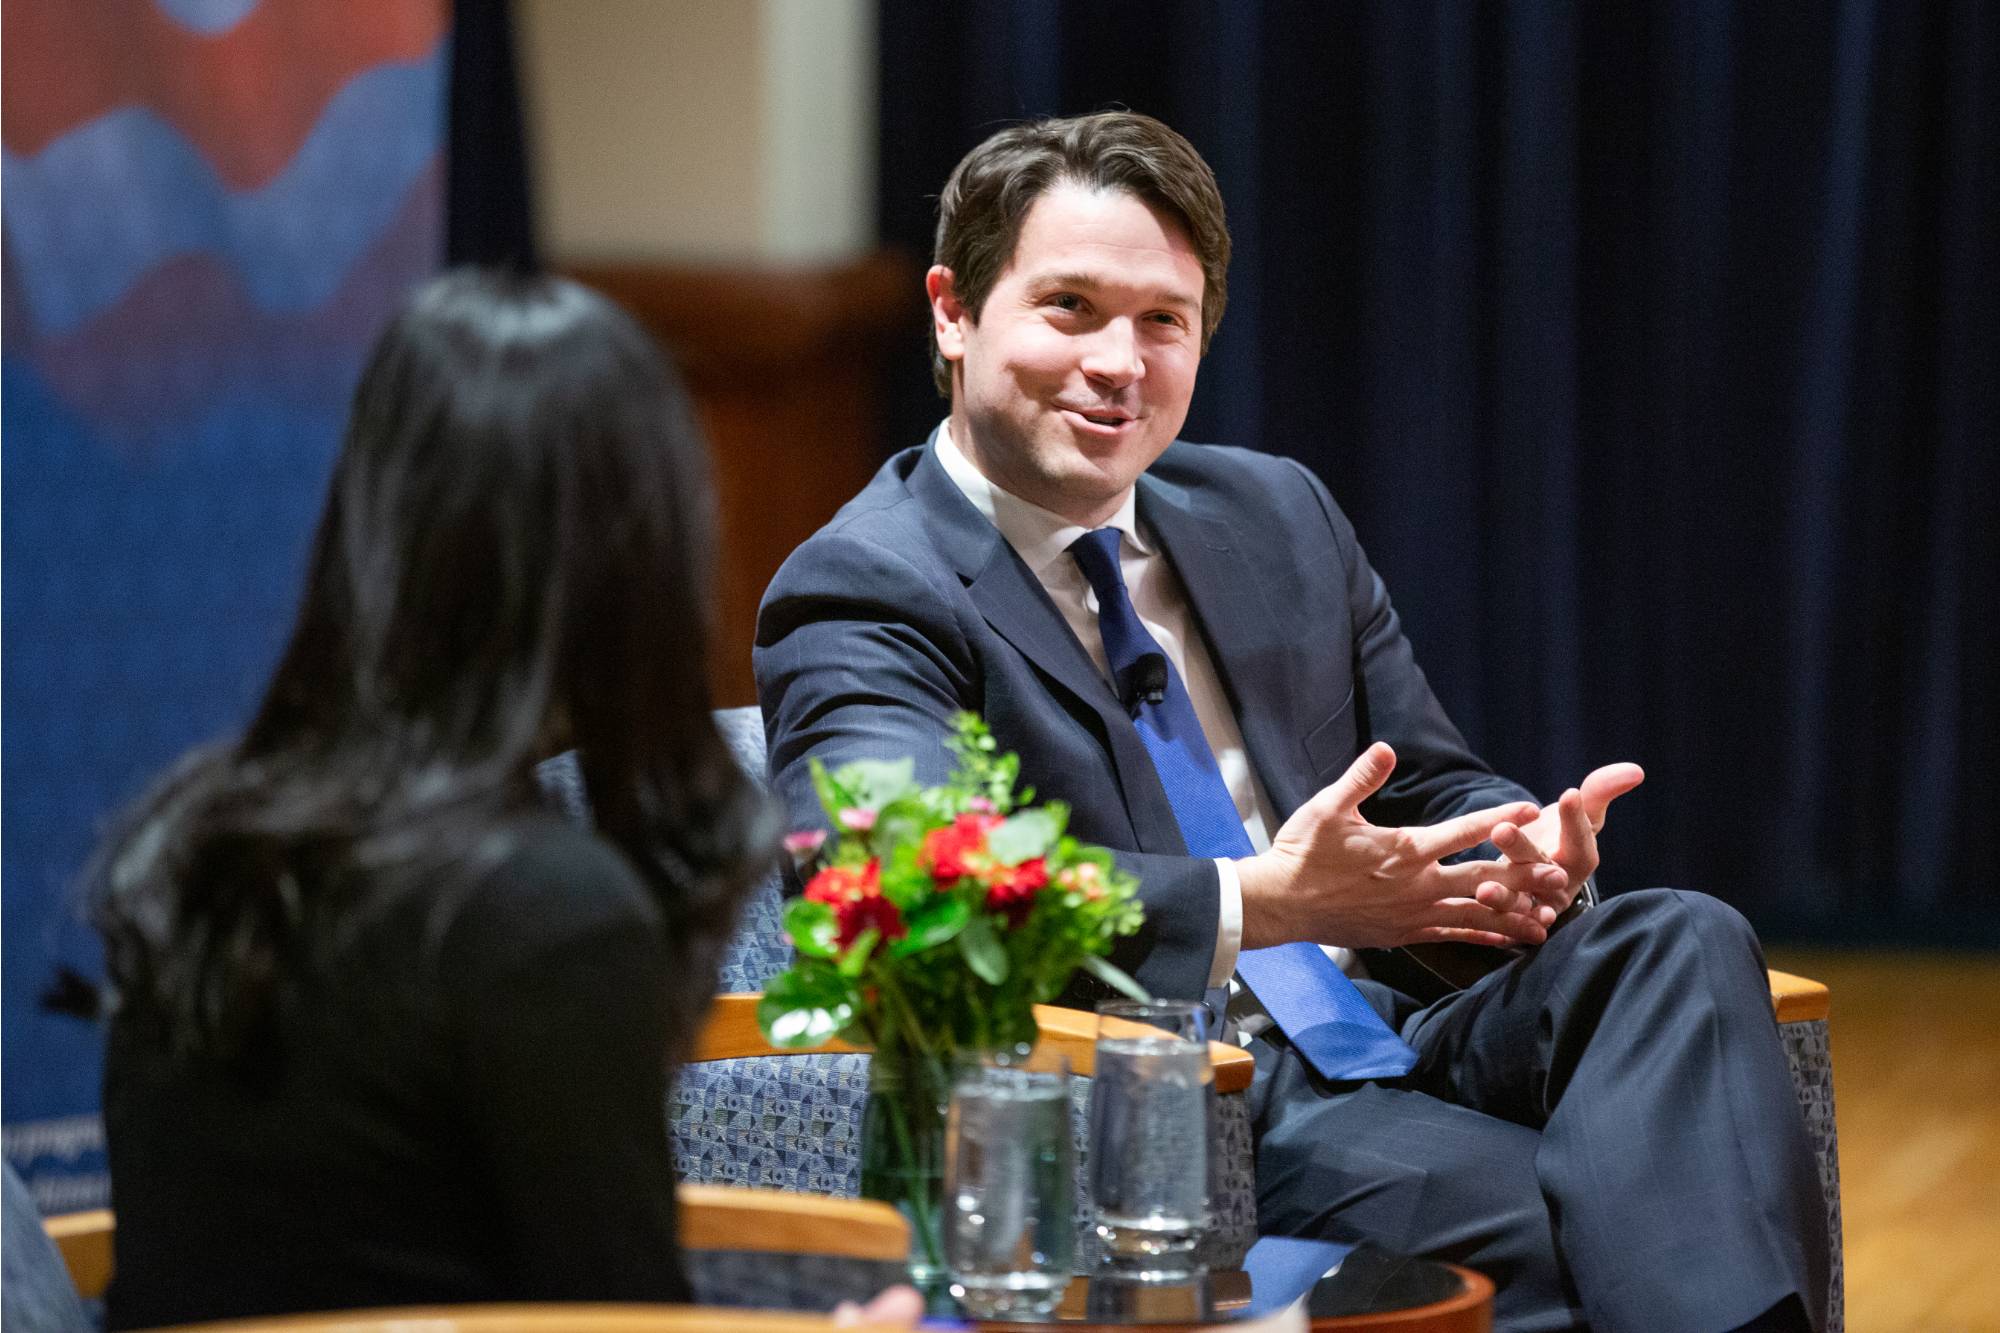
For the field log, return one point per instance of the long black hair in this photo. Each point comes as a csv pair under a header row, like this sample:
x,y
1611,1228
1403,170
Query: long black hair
x,y
515,555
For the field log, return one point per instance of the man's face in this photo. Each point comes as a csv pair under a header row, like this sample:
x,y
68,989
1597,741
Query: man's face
x,y
1078,371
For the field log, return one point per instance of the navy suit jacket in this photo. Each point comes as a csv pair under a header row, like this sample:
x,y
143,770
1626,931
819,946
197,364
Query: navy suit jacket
x,y
910,606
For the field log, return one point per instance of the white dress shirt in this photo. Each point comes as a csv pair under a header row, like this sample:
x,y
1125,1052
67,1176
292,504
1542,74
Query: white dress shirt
x,y
1042,539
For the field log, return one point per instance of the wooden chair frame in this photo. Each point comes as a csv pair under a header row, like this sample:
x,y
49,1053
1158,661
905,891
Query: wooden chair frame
x,y
710,1217
731,1033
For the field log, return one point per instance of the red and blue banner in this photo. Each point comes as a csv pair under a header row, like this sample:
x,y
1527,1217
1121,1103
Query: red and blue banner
x,y
210,209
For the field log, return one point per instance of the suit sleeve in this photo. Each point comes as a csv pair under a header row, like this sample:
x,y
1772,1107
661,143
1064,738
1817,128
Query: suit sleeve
x,y
860,655
1437,775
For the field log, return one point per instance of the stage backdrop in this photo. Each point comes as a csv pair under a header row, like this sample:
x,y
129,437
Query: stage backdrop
x,y
210,208
1653,349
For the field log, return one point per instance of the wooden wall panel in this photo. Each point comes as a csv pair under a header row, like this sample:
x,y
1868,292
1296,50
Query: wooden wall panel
x,y
784,367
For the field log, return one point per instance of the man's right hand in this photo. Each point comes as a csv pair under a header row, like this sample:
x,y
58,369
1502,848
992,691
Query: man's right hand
x,y
1331,877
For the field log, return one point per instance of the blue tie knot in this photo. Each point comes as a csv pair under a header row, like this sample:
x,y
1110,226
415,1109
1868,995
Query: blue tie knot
x,y
1096,554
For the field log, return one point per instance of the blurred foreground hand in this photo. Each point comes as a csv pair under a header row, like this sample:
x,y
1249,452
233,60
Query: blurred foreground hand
x,y
897,1307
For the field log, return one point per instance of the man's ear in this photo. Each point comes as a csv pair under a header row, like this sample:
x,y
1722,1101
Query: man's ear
x,y
948,316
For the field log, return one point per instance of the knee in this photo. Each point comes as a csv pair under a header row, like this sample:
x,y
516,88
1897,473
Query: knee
x,y
1667,927
1678,913
1713,924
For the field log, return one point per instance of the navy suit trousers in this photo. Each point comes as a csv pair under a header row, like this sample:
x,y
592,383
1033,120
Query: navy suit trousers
x,y
1611,1115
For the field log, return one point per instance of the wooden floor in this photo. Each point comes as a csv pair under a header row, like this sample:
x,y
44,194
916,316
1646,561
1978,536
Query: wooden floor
x,y
1916,1088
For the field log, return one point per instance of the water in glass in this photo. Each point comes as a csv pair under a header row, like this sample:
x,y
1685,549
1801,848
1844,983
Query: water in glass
x,y
1149,1147
1010,1235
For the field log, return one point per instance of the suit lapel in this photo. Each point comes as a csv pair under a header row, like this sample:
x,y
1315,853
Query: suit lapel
x,y
1243,633
1018,608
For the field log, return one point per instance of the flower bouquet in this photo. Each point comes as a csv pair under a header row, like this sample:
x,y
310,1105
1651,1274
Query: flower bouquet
x,y
934,919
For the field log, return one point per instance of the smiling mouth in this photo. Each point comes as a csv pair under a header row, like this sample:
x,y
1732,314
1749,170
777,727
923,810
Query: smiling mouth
x,y
1102,420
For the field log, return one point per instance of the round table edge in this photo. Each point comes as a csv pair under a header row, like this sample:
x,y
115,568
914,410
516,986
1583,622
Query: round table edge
x,y
1470,1311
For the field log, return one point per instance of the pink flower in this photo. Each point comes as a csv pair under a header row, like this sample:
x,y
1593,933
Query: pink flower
x,y
981,805
805,842
1084,878
856,820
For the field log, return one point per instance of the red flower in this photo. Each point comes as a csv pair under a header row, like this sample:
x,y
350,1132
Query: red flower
x,y
878,912
855,892
1012,889
841,884
958,849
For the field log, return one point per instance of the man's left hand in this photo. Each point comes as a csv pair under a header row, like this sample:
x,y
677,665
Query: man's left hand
x,y
1566,832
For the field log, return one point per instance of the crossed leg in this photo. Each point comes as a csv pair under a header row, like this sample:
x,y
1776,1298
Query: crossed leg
x,y
1607,1128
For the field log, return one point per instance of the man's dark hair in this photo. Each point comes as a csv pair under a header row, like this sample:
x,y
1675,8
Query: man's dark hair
x,y
514,553
991,190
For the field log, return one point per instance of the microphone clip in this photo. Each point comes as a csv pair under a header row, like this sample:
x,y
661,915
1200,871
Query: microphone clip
x,y
1144,682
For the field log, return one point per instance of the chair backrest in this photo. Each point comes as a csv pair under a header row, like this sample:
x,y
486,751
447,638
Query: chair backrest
x,y
36,1294
759,949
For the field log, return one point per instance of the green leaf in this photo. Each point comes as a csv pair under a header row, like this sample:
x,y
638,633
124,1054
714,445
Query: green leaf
x,y
1115,977
874,783
832,798
1024,836
933,924
984,953
806,1006
856,958
813,927
902,824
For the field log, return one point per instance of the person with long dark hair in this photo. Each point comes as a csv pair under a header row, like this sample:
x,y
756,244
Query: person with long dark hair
x,y
386,1030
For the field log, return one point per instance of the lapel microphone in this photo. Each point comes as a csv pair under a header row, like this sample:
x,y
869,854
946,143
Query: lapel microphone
x,y
1145,681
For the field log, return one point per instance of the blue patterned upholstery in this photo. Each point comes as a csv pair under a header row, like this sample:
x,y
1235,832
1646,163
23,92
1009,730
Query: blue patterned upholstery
x,y
1811,1059
759,950
36,1295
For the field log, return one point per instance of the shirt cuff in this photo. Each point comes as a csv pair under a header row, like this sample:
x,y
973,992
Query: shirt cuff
x,y
1228,923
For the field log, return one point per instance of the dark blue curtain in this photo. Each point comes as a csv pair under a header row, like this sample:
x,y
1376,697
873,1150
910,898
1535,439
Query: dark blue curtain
x,y
1652,348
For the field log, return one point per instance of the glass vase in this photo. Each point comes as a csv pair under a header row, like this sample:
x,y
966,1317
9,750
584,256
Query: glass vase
x,y
902,1148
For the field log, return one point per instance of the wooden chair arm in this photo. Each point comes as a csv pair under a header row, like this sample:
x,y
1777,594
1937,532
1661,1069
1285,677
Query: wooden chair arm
x,y
84,1242
1073,1033
1799,999
731,1033
732,1217
528,1318
710,1217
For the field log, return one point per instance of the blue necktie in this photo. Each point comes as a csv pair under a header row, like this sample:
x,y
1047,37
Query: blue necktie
x,y
1319,1009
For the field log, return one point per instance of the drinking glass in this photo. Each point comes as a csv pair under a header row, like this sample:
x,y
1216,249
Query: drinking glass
x,y
1010,1226
1149,1115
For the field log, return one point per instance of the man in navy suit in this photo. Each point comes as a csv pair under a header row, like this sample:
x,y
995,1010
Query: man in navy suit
x,y
1186,643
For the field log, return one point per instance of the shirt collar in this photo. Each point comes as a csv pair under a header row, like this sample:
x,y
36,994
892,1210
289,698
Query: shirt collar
x,y
1039,537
